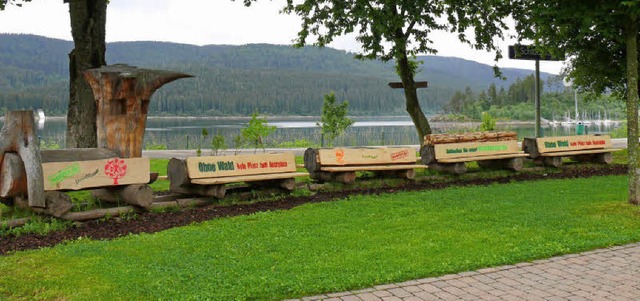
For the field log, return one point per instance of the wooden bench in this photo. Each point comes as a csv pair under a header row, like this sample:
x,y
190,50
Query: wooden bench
x,y
341,164
550,151
207,176
450,152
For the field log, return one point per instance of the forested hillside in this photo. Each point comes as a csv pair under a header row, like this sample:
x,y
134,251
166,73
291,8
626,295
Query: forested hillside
x,y
237,80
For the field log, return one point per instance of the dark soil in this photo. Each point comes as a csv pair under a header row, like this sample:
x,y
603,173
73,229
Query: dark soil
x,y
148,222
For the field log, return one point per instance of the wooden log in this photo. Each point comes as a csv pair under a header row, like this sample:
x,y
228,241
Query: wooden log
x,y
13,178
287,184
122,94
164,205
469,137
193,202
98,213
408,174
311,160
344,177
552,161
18,135
181,184
454,168
603,158
530,146
57,204
177,173
140,195
14,223
216,191
427,154
515,164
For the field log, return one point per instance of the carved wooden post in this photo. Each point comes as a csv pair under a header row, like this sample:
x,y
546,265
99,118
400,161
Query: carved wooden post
x,y
18,136
122,94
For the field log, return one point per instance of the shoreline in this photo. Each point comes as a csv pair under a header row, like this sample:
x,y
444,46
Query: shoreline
x,y
309,118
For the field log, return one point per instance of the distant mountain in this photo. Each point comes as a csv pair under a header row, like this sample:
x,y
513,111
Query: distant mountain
x,y
237,80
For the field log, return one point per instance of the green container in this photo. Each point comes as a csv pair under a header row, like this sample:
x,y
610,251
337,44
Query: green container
x,y
580,129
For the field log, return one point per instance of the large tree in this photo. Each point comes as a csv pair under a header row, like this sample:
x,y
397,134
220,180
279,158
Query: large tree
x,y
88,23
600,37
400,29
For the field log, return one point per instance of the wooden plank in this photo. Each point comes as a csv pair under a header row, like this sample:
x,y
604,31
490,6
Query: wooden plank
x,y
571,143
226,166
481,158
580,152
95,173
400,85
247,178
372,167
475,149
366,156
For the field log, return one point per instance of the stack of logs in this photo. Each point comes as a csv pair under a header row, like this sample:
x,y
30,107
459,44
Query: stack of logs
x,y
432,139
428,152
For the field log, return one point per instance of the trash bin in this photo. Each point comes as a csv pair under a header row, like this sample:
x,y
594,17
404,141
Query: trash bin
x,y
580,128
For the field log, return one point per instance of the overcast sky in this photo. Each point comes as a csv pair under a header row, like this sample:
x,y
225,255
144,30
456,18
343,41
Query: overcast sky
x,y
203,22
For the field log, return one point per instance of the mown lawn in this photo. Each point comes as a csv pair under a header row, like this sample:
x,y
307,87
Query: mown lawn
x,y
347,244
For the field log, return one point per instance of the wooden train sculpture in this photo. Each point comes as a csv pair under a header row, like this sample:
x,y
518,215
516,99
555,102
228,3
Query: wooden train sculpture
x,y
38,179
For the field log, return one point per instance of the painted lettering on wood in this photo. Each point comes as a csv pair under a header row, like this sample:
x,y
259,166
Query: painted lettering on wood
x,y
570,143
95,173
472,149
224,166
365,156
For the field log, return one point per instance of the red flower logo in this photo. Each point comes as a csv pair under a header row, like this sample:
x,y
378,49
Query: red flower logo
x,y
115,169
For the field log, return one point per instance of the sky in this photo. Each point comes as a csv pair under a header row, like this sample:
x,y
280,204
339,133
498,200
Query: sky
x,y
204,22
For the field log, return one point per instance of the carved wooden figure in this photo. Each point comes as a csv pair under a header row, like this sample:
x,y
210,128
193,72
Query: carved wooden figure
x,y
122,94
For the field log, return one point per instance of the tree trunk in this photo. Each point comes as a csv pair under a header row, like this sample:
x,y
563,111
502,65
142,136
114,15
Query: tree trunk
x,y
411,96
88,22
631,39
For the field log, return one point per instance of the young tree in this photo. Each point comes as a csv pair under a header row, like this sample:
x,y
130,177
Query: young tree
x,y
334,120
399,29
600,37
88,23
256,131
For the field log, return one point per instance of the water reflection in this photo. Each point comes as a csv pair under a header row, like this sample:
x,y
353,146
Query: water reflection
x,y
186,133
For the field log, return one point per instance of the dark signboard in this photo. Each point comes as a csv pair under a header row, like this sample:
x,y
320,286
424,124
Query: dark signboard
x,y
529,52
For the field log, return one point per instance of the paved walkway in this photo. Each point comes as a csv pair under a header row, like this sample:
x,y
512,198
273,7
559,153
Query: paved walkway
x,y
606,274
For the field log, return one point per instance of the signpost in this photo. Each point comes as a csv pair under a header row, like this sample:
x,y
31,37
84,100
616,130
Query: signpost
x,y
530,52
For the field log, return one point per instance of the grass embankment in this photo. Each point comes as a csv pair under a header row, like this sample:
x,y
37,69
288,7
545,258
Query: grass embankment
x,y
335,246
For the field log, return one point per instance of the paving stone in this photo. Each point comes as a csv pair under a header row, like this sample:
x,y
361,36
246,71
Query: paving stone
x,y
412,289
382,294
400,292
369,297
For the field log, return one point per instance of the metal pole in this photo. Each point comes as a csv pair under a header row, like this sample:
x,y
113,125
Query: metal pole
x,y
575,91
537,100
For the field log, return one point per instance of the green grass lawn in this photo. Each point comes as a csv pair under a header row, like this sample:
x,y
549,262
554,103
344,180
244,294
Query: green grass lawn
x,y
347,244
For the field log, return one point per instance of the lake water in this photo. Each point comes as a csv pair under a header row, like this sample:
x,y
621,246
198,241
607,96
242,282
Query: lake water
x,y
186,133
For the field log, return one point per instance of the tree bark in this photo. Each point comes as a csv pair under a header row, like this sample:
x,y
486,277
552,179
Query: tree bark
x,y
631,40
411,96
88,22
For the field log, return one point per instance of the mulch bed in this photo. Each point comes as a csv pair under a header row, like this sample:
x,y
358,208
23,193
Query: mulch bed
x,y
149,222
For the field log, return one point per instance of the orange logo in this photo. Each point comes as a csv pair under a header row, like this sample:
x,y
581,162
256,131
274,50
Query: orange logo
x,y
340,155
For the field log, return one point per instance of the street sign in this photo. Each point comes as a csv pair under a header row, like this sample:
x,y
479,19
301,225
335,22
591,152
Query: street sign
x,y
529,52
